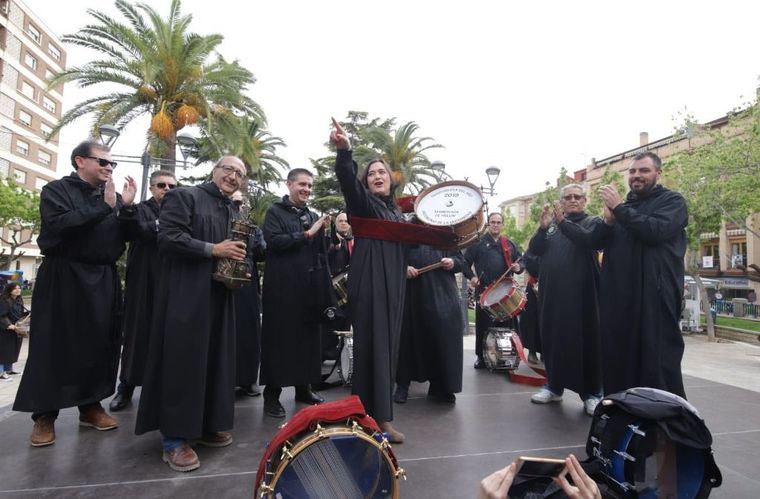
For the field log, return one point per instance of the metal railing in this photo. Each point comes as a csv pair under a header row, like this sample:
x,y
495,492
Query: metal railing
x,y
726,307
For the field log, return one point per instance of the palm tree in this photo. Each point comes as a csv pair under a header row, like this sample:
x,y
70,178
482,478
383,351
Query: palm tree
x,y
245,138
160,68
405,155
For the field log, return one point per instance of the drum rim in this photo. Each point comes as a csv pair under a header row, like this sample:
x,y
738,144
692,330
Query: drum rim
x,y
321,433
427,190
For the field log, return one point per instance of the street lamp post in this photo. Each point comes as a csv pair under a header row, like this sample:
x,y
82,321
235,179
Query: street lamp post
x,y
185,141
492,172
439,167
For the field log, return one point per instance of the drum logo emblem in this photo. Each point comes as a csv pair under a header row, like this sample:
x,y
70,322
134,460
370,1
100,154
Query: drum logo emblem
x,y
551,230
449,203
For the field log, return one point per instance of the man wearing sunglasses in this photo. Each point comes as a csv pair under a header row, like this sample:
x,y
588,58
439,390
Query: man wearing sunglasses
x,y
142,271
73,352
569,312
188,388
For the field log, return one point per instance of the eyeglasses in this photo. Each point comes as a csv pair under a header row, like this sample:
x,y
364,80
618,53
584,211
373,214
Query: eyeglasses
x,y
164,185
570,197
227,169
102,161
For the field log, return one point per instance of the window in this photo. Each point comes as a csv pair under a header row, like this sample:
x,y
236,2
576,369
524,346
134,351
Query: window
x,y
30,61
34,33
49,74
46,129
22,147
27,89
53,51
25,118
711,249
20,176
48,104
39,183
44,157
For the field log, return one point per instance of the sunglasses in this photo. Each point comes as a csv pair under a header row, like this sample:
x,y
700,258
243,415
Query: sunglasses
x,y
103,162
576,197
164,185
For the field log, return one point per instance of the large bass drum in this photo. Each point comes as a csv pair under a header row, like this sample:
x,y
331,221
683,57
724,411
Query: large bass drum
x,y
499,349
329,460
456,205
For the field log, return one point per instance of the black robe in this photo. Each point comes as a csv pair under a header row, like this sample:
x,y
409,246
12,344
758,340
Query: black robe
x,y
641,292
290,339
376,285
139,289
247,318
189,383
11,310
569,314
433,329
76,327
530,330
487,256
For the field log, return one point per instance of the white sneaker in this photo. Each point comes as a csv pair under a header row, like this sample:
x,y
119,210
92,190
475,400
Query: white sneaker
x,y
590,405
544,396
5,377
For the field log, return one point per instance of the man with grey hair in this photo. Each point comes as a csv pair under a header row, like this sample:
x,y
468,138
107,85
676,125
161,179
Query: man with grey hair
x,y
142,271
569,312
189,383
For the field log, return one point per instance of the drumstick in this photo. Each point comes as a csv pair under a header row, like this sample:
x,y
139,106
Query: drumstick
x,y
430,267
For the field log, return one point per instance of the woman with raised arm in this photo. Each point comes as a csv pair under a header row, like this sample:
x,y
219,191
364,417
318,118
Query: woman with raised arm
x,y
376,284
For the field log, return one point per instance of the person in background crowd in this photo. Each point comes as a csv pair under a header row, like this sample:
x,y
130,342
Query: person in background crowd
x,y
11,311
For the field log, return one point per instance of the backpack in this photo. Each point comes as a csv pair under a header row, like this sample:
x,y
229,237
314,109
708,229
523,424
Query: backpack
x,y
650,443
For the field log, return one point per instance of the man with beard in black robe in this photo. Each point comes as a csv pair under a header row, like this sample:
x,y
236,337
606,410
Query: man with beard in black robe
x,y
433,329
189,384
247,317
74,337
642,277
492,256
569,314
140,283
290,336
376,284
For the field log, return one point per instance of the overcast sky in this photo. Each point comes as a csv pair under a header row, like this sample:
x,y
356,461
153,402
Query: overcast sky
x,y
528,87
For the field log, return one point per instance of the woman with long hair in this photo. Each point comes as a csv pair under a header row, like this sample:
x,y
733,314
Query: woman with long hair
x,y
11,311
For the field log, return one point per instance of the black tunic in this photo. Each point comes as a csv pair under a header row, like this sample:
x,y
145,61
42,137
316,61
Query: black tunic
x,y
641,292
139,289
189,383
488,257
76,327
569,313
11,310
431,337
290,339
247,318
530,331
376,285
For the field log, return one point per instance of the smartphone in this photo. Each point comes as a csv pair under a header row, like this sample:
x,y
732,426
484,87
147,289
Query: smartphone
x,y
539,466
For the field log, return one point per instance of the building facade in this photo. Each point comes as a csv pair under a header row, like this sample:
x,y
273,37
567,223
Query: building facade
x,y
30,54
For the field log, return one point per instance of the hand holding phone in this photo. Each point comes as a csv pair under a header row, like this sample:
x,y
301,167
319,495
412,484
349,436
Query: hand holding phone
x,y
540,466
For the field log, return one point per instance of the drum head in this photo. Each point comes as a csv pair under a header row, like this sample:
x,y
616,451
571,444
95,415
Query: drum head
x,y
448,203
496,293
341,465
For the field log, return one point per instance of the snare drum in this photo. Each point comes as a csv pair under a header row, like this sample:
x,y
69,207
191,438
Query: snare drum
x,y
340,285
456,205
327,460
503,299
499,349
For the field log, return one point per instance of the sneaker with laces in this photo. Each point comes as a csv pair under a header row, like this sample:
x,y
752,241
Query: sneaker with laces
x,y
216,439
183,458
545,396
43,432
590,405
96,417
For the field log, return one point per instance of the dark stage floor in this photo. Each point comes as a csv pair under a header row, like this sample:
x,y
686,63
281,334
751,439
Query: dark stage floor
x,y
449,448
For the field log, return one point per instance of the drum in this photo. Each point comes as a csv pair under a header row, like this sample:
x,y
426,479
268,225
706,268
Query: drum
x,y
332,460
456,205
499,349
503,299
340,285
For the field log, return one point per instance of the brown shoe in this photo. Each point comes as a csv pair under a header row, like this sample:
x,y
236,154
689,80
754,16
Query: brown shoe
x,y
43,432
96,417
182,458
394,436
217,439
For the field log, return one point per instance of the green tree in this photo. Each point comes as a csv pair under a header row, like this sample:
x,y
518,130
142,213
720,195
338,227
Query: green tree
x,y
155,65
719,175
20,216
609,177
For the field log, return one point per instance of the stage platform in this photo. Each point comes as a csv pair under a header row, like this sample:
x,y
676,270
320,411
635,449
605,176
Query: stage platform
x,y
448,450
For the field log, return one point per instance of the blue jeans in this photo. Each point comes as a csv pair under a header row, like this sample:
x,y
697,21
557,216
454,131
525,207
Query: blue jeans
x,y
170,443
6,368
